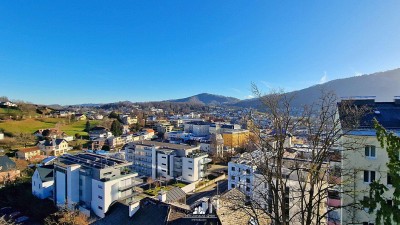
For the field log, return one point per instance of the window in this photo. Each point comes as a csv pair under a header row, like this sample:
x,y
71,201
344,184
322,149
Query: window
x,y
247,189
248,171
164,157
232,177
233,168
369,176
366,223
247,180
190,168
163,164
164,170
232,185
370,151
366,200
100,207
99,186
100,197
190,175
190,161
389,203
389,180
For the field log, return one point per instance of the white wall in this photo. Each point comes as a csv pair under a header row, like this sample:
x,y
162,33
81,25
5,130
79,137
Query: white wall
x,y
73,184
61,188
40,189
162,165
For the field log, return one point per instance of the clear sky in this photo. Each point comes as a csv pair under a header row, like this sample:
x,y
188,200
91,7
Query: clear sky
x,y
70,52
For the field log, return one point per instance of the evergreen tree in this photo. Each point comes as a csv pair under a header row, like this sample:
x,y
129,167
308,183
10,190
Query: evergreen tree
x,y
116,128
87,126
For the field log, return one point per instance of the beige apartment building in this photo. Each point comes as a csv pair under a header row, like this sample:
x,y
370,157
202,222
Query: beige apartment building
x,y
364,161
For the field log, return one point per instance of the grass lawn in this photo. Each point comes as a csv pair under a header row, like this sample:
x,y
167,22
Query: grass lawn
x,y
25,126
78,127
154,191
32,125
180,185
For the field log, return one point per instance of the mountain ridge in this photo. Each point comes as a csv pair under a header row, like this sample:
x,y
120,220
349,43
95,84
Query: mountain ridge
x,y
384,85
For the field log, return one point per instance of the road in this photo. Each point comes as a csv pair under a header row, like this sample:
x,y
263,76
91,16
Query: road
x,y
208,192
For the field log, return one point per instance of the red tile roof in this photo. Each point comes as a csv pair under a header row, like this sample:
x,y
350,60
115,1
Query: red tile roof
x,y
31,149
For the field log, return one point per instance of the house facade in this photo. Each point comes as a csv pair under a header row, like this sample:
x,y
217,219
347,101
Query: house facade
x,y
28,153
166,160
54,147
363,159
43,182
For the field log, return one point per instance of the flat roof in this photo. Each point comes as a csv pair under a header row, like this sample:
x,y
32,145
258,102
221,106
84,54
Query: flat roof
x,y
92,160
164,145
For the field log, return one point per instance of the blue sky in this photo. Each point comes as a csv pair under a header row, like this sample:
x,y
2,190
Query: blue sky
x,y
70,52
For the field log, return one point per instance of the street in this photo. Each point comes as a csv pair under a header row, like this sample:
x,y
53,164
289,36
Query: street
x,y
208,192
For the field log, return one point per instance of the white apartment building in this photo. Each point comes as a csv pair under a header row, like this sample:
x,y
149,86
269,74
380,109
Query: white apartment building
x,y
93,182
166,160
197,128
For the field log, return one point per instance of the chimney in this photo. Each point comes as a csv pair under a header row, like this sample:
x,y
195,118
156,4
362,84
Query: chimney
x,y
162,196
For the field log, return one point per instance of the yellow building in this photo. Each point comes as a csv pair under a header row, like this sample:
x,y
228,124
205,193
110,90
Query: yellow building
x,y
236,138
28,153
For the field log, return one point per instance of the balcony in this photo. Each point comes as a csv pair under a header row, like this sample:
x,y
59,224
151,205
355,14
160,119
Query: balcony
x,y
333,202
205,161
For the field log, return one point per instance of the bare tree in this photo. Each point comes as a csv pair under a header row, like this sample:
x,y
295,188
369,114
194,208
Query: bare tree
x,y
291,186
67,216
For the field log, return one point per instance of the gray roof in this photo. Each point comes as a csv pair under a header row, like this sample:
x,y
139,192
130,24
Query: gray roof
x,y
175,194
57,142
150,212
46,173
6,164
387,114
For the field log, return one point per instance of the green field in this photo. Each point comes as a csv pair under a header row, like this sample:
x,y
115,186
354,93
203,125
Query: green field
x,y
32,125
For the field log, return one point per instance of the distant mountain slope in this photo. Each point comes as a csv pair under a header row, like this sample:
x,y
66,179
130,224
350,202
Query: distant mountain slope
x,y
207,99
383,85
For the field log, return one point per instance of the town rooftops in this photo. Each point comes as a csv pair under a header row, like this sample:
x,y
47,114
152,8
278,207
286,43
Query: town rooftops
x,y
199,123
92,160
30,149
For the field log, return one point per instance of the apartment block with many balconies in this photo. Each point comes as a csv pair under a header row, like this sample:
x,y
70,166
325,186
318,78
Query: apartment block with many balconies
x,y
93,182
167,161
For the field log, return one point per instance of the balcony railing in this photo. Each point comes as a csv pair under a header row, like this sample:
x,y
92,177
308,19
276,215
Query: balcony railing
x,y
333,202
205,161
